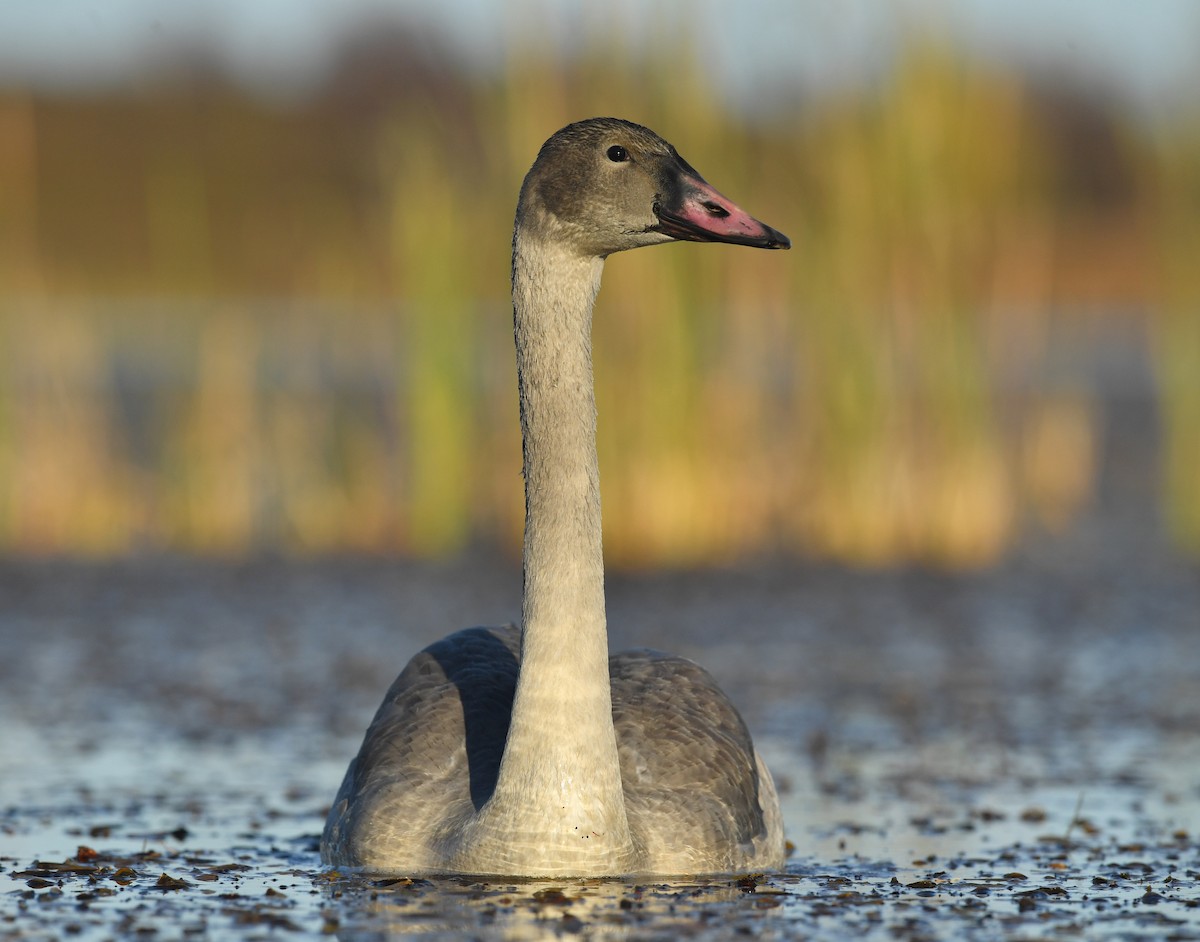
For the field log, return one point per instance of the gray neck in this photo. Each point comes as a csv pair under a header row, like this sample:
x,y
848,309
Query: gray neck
x,y
553,294
559,780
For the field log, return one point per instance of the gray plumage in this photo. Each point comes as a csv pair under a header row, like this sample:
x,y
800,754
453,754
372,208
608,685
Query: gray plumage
x,y
432,755
529,751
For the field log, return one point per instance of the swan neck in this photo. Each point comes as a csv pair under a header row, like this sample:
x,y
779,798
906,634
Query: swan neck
x,y
559,788
553,295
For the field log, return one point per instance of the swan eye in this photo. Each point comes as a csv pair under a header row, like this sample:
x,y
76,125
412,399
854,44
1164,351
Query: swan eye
x,y
618,154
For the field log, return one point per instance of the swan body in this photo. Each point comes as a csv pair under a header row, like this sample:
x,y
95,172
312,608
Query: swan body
x,y
529,751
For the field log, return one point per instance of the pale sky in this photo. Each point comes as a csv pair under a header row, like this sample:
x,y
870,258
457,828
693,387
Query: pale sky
x,y
1147,50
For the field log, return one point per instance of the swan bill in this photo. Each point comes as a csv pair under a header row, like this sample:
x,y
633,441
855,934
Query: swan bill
x,y
696,212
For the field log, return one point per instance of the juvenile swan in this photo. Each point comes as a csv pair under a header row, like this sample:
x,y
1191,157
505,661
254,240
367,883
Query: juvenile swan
x,y
531,752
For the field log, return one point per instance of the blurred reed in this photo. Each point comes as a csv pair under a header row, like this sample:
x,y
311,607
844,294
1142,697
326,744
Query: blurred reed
x,y
230,327
1175,170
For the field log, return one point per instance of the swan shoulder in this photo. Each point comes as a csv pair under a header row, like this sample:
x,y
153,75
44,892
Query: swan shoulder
x,y
698,795
430,757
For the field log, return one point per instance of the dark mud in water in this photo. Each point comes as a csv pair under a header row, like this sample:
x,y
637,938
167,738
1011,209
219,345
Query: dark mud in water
x,y
1013,754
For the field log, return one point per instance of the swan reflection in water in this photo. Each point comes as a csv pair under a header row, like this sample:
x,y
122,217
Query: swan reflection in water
x,y
460,907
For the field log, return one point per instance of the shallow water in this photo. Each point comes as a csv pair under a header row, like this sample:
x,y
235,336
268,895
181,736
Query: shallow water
x,y
1010,754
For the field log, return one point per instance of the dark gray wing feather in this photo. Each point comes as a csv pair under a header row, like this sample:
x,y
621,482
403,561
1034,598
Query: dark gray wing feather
x,y
687,758
432,752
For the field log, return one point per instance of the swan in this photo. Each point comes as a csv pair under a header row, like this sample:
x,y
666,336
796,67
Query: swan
x,y
529,751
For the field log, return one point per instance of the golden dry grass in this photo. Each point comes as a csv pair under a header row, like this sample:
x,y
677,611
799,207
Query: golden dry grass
x,y
228,327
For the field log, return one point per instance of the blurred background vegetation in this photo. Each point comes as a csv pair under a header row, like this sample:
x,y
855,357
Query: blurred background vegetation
x,y
233,323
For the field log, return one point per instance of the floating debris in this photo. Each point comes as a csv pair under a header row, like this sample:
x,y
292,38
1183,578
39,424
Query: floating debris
x,y
175,786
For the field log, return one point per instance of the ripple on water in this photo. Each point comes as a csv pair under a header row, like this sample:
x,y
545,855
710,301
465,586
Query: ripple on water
x,y
165,775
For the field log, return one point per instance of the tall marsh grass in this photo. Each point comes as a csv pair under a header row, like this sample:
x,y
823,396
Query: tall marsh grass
x,y
229,327
1177,327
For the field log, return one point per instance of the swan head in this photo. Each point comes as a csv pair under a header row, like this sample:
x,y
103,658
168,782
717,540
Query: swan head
x,y
605,185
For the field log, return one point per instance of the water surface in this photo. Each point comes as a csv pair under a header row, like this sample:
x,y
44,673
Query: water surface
x,y
1003,754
